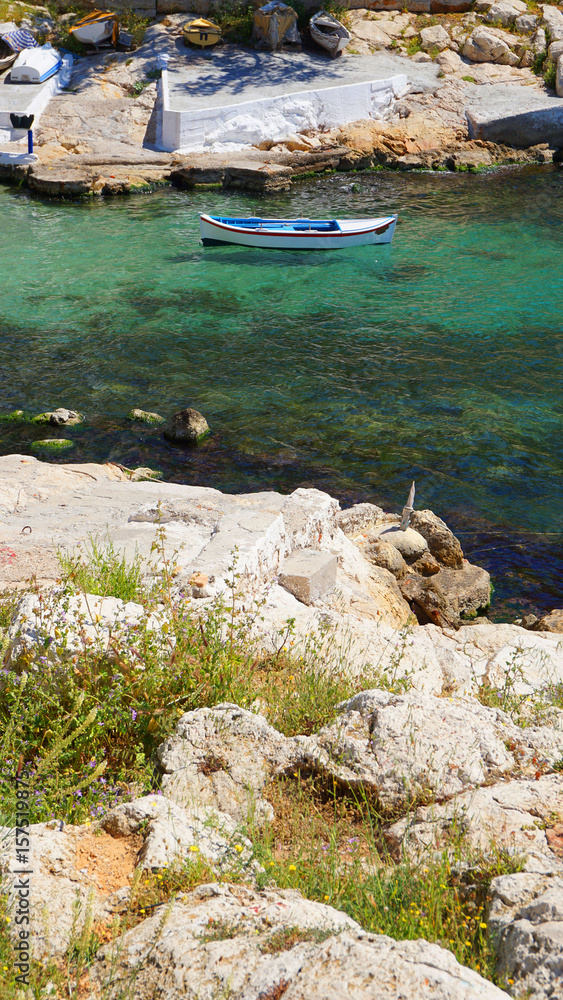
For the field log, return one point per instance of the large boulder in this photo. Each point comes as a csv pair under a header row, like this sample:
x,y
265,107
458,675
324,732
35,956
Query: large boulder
x,y
442,542
526,23
226,940
409,542
223,757
434,37
559,77
449,594
552,19
516,817
485,46
413,747
188,426
505,12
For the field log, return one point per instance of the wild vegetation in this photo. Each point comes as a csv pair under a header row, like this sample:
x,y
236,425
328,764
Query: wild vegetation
x,y
84,730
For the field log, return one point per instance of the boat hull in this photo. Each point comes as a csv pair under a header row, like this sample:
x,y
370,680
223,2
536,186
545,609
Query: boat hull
x,y
201,33
329,33
359,233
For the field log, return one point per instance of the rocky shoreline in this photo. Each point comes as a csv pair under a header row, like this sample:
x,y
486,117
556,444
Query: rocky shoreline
x,y
428,741
473,102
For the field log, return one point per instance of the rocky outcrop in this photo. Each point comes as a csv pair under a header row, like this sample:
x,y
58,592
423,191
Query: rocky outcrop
x,y
427,560
485,46
404,749
259,945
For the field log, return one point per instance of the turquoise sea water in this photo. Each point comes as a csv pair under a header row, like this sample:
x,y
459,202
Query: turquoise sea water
x,y
437,359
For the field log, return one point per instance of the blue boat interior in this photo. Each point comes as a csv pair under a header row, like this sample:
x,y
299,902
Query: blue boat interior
x,y
294,225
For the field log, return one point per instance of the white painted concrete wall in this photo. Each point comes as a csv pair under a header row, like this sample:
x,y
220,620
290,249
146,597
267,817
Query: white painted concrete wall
x,y
249,122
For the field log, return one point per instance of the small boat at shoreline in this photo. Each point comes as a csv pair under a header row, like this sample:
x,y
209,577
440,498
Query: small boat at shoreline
x,y
36,65
328,32
201,32
296,234
97,27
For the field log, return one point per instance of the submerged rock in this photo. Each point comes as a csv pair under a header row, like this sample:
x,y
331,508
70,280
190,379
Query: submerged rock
x,y
52,445
145,417
187,426
59,417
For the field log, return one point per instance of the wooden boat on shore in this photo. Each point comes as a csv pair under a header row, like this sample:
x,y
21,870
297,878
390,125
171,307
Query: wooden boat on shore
x,y
201,32
329,33
98,26
297,234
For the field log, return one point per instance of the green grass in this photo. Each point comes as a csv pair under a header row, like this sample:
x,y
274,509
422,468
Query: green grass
x,y
332,848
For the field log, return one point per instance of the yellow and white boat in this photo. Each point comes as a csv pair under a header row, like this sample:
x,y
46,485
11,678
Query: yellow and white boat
x,y
201,32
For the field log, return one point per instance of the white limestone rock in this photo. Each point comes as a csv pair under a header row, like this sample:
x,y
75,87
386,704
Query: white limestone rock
x,y
407,748
513,816
559,77
555,50
485,46
526,23
525,923
370,32
188,958
505,12
552,19
434,37
449,62
223,757
171,833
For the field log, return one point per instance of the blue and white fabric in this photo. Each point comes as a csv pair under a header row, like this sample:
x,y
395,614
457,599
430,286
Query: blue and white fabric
x,y
20,40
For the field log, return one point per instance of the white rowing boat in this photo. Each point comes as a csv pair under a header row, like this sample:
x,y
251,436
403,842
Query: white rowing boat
x,y
297,234
327,31
36,65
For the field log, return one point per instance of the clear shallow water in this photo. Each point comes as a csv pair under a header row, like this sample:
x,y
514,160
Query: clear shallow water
x,y
438,359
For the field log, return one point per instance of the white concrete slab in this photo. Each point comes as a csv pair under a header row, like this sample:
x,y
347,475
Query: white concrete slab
x,y
28,98
244,98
